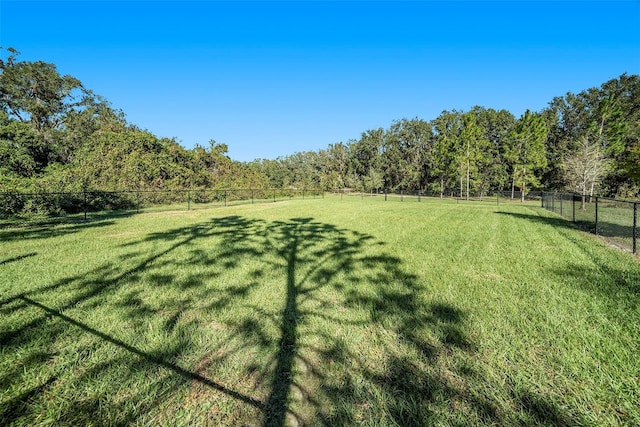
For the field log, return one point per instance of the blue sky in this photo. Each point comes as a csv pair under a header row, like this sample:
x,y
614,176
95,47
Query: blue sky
x,y
272,78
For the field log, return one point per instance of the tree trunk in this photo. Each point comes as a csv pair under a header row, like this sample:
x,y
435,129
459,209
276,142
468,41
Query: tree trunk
x,y
468,173
524,183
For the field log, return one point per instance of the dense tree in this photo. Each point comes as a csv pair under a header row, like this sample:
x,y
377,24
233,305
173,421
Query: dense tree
x,y
565,122
58,108
604,116
20,149
586,168
471,151
495,125
337,163
446,130
526,150
366,160
632,165
366,151
116,160
410,142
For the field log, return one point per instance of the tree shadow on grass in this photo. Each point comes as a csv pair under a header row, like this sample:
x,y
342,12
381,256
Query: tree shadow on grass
x,y
47,231
17,258
542,411
619,284
621,234
547,220
243,321
30,324
601,277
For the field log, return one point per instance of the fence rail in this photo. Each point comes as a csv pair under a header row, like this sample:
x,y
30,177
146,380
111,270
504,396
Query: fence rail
x,y
615,219
419,195
63,203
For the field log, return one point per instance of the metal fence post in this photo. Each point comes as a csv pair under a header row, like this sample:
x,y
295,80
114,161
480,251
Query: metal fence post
x,y
573,204
596,215
419,195
274,195
85,204
401,195
138,202
561,205
252,196
385,194
188,200
635,227
225,198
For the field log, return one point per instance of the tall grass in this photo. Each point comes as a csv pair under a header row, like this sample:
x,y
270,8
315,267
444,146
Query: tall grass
x,y
319,312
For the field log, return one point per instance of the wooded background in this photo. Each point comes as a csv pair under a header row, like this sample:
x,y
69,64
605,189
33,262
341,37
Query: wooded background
x,y
57,135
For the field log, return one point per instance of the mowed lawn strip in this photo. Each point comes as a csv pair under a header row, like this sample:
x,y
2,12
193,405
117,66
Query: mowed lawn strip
x,y
319,312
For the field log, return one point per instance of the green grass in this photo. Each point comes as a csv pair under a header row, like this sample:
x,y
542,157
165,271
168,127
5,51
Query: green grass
x,y
615,219
319,312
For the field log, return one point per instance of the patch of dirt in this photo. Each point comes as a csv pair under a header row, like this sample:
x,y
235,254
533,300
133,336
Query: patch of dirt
x,y
216,326
204,364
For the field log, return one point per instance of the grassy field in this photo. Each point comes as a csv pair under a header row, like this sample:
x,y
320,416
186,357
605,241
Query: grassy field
x,y
319,312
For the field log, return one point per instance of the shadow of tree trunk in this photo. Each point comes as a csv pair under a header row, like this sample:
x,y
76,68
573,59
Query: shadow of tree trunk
x,y
276,406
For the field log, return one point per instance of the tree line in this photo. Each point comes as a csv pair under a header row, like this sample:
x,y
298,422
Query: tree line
x,y
586,143
57,135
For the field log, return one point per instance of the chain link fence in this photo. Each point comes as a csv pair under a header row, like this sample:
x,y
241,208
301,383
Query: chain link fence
x,y
494,197
615,219
25,206
611,218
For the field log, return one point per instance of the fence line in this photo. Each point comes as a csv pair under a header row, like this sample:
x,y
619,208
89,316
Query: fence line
x,y
615,219
63,203
612,218
418,195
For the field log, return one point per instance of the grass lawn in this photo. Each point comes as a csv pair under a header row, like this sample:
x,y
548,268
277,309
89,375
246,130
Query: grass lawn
x,y
615,219
319,312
